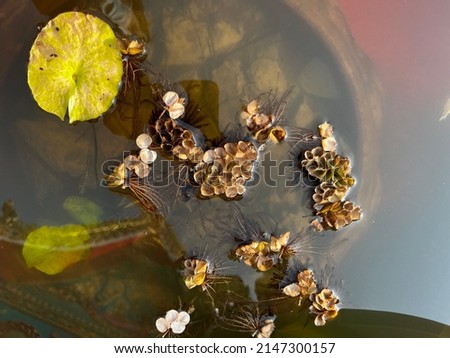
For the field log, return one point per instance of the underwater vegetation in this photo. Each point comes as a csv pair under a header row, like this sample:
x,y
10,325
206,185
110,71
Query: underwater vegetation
x,y
105,73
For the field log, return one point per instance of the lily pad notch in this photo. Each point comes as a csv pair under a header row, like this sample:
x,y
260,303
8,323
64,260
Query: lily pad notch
x,y
75,67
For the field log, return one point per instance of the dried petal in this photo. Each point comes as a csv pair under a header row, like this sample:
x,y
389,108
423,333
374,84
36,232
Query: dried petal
x,y
171,316
206,190
231,192
176,110
143,141
162,325
170,98
184,317
252,107
177,327
292,290
277,134
147,156
326,130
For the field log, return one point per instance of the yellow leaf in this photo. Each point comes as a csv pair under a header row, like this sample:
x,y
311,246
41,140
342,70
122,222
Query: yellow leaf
x,y
51,249
75,65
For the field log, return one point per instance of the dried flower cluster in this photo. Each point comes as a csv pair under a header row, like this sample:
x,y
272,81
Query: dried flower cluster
x,y
334,173
263,254
262,116
173,322
324,306
224,170
305,286
135,165
195,273
323,302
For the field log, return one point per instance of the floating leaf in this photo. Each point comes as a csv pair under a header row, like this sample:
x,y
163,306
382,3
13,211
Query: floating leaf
x,y
75,65
52,249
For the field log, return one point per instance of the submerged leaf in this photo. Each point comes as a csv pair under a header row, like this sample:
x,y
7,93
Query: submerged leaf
x,y
52,249
76,66
83,210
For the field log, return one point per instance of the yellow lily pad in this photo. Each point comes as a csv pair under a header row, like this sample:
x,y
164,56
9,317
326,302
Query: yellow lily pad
x,y
75,66
51,249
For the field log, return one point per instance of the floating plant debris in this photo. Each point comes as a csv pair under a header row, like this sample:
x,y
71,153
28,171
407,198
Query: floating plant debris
x,y
328,167
324,306
248,319
75,66
224,170
133,174
336,215
195,272
262,116
263,253
256,254
174,322
334,173
52,249
174,104
303,288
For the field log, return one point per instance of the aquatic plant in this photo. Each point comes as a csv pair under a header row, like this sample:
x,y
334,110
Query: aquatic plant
x,y
195,273
133,53
329,167
324,306
248,319
263,115
303,287
328,193
224,170
75,66
256,254
334,173
173,322
336,215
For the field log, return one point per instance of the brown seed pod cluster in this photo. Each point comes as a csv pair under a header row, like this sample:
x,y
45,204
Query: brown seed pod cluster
x,y
165,134
224,170
334,173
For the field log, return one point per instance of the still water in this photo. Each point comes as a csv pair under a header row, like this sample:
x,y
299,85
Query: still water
x,y
227,53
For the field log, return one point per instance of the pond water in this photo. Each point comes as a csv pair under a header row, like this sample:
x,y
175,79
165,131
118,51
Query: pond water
x,y
224,54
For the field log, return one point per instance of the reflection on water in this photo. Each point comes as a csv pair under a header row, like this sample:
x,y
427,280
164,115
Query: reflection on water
x,y
229,53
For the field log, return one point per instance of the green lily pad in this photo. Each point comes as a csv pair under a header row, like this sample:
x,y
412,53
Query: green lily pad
x,y
76,66
51,249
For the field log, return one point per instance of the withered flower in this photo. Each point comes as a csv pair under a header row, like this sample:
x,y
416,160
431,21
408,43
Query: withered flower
x,y
324,306
328,167
195,272
304,287
174,104
336,215
277,244
224,170
262,116
256,254
328,193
